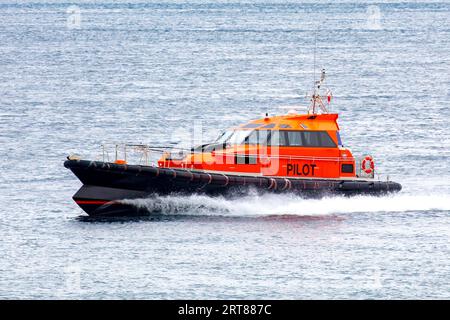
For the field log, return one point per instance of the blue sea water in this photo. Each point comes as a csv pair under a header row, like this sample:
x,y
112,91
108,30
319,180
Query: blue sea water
x,y
75,75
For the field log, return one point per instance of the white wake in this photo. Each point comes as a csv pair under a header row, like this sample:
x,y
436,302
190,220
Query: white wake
x,y
275,204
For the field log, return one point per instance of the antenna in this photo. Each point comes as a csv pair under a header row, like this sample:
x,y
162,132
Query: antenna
x,y
315,48
314,71
316,98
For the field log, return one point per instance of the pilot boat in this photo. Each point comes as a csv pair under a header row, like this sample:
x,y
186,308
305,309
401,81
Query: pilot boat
x,y
294,152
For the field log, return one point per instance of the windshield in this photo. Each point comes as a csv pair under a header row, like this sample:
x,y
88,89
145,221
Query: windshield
x,y
233,137
238,137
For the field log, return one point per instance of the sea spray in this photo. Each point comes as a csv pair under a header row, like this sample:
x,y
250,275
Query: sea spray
x,y
287,204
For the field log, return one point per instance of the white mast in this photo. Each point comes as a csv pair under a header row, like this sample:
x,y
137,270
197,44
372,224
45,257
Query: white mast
x,y
317,98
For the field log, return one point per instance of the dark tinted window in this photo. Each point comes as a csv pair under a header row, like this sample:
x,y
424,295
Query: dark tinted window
x,y
325,140
269,126
294,138
347,168
285,126
310,139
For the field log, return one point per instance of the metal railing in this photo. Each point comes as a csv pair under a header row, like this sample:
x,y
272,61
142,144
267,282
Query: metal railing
x,y
134,153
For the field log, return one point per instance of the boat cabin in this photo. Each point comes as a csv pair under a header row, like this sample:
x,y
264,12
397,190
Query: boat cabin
x,y
292,145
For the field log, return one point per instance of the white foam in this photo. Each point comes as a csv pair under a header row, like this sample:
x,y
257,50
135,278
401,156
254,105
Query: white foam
x,y
273,204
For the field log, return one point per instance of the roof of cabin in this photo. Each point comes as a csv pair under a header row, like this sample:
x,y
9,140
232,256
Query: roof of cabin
x,y
319,122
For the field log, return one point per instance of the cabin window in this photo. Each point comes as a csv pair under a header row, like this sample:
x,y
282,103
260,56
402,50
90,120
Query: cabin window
x,y
263,136
245,159
277,138
274,138
238,137
294,138
311,139
317,139
269,126
326,141
347,168
284,126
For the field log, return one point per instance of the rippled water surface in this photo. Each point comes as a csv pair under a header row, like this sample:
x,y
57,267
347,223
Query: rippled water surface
x,y
146,72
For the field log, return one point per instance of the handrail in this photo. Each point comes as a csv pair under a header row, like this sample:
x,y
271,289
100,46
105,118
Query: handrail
x,y
145,151
125,149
